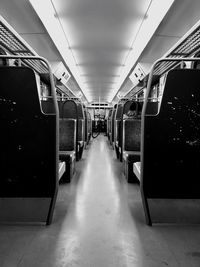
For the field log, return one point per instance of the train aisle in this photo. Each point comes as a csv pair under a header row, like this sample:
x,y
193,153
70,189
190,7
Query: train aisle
x,y
99,222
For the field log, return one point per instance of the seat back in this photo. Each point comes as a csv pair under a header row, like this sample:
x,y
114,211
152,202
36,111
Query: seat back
x,y
68,117
28,154
89,124
67,133
131,135
170,139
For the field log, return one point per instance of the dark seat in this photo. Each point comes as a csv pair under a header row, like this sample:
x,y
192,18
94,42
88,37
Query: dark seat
x,y
81,133
67,147
109,124
29,149
67,137
69,109
112,134
89,126
124,114
131,156
80,130
170,141
131,146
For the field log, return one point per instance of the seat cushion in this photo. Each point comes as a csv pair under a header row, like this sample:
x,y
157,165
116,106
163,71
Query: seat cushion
x,y
131,156
67,156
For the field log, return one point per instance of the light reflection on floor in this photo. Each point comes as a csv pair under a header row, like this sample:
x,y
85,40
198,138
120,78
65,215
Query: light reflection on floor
x,y
99,213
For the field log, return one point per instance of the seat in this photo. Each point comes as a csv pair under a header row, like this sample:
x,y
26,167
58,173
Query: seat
x,y
131,147
170,142
29,149
67,147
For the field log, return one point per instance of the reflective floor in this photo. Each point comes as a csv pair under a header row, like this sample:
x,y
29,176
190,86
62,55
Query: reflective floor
x,y
99,222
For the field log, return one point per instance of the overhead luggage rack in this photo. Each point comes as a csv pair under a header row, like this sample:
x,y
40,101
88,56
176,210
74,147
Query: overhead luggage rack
x,y
186,47
13,43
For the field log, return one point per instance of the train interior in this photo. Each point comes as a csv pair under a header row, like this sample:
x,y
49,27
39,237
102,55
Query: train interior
x,y
100,133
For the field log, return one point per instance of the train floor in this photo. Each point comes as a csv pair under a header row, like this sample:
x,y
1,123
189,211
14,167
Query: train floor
x,y
99,222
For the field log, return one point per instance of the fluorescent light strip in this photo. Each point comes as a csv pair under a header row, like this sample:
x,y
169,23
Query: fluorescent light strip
x,y
155,15
46,13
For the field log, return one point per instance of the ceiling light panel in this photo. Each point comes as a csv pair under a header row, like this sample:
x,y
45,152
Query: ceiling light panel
x,y
100,39
100,33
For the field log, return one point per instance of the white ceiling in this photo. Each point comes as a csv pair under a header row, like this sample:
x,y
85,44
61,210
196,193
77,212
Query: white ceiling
x,y
179,20
100,34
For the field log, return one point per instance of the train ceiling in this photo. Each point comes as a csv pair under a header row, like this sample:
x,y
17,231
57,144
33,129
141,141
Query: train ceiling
x,y
98,39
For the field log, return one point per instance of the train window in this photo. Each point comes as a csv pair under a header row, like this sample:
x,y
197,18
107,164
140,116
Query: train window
x,y
161,86
196,65
154,96
43,88
154,93
44,91
3,61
